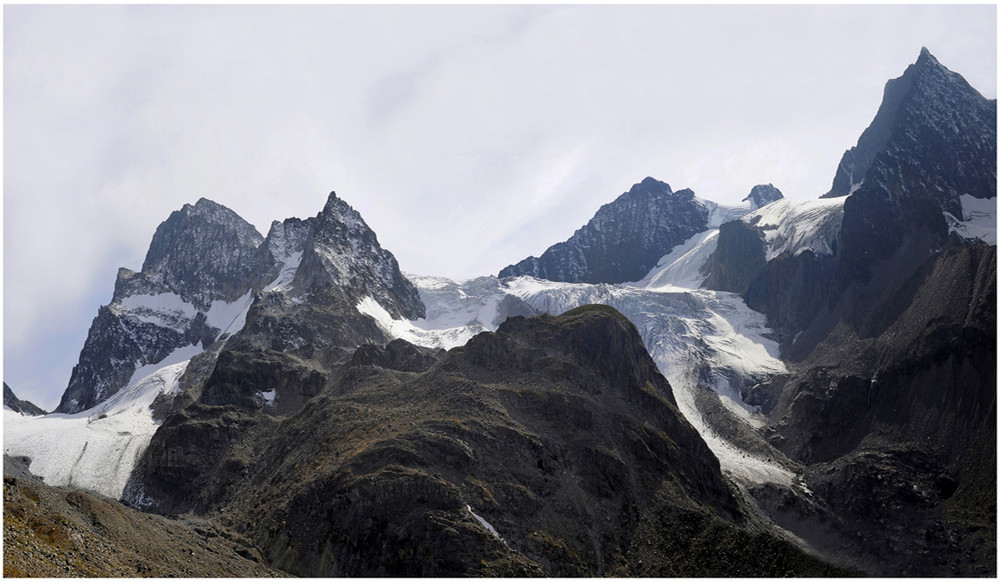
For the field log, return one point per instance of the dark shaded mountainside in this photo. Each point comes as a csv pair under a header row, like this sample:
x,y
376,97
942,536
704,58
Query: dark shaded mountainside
x,y
551,447
891,400
891,338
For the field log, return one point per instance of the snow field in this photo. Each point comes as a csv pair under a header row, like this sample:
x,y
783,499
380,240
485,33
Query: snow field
x,y
980,219
792,227
96,449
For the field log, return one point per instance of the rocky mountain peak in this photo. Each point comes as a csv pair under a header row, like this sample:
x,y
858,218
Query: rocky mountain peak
x,y
762,195
929,117
342,252
12,402
624,239
202,253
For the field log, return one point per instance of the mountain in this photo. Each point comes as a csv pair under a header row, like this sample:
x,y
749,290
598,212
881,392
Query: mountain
x,y
763,194
12,402
550,447
887,322
195,282
935,127
627,237
776,388
623,240
201,277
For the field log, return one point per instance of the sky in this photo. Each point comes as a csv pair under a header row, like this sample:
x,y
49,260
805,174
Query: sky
x,y
468,137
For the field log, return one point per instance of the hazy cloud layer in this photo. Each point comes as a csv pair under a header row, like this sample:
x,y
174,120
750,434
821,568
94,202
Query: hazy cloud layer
x,y
467,136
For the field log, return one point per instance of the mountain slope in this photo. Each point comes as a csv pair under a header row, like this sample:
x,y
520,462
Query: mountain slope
x,y
59,533
312,318
939,121
889,333
549,447
195,283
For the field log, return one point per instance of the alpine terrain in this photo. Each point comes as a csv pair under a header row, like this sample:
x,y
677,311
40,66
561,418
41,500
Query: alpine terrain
x,y
681,388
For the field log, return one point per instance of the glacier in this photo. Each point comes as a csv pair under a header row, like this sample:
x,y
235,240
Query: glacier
x,y
96,449
700,339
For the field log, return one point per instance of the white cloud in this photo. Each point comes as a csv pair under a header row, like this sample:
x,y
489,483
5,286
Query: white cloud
x,y
467,136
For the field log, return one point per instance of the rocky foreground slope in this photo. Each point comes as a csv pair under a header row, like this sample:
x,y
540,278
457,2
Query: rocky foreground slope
x,y
59,533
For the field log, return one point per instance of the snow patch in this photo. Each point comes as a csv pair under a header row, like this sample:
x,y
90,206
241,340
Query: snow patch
x,y
485,524
409,330
289,265
792,227
162,309
682,266
181,354
718,214
980,219
229,317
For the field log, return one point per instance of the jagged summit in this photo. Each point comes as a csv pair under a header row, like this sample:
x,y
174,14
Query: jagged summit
x,y
206,234
343,252
762,195
928,116
203,270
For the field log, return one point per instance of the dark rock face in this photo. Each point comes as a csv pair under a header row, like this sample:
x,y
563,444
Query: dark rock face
x,y
624,239
738,259
11,401
891,402
398,355
762,195
202,253
933,139
932,128
322,267
557,432
343,253
899,429
110,357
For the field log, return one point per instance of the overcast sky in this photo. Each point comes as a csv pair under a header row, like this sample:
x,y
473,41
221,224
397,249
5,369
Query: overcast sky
x,y
468,137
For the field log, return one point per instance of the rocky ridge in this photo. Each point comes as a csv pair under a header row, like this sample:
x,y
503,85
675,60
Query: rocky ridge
x,y
889,333
12,402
